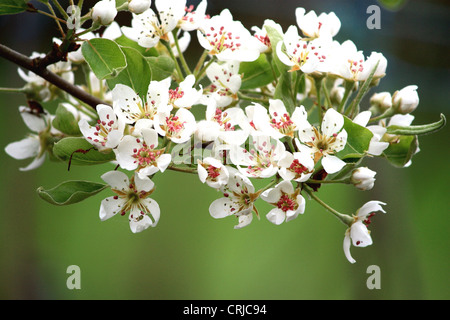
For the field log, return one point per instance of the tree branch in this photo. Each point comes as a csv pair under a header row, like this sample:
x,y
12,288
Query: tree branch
x,y
41,70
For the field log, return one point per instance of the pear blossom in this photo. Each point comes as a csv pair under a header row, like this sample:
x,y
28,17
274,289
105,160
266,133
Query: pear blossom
x,y
213,172
141,153
381,101
107,132
300,54
324,144
147,29
227,126
358,234
238,199
363,178
350,64
34,145
297,166
132,195
104,12
289,203
261,158
225,83
193,19
178,127
313,26
277,122
406,100
185,95
264,44
227,39
131,108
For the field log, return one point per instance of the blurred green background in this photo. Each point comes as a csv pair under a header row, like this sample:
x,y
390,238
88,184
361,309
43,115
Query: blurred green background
x,y
190,255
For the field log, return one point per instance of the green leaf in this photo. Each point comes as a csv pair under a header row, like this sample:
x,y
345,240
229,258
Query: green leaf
x,y
418,130
161,67
275,37
65,121
401,152
257,73
12,6
123,41
70,192
136,75
358,141
80,152
283,91
104,57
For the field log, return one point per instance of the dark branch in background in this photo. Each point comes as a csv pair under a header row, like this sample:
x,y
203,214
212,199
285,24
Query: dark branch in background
x,y
39,67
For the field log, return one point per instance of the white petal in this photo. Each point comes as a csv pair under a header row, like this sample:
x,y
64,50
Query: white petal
x,y
110,207
347,244
23,149
117,180
143,184
276,216
332,122
153,209
139,222
221,208
244,220
360,235
37,162
369,207
362,118
332,164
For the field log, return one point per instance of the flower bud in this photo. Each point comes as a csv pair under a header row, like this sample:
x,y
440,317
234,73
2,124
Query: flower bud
x,y
363,178
406,100
138,6
381,101
104,12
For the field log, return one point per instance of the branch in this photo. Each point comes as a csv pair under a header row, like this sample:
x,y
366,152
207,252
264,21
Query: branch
x,y
41,70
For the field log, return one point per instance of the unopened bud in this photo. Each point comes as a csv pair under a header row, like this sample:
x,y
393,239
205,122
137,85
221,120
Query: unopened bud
x,y
381,101
138,6
363,178
406,100
104,12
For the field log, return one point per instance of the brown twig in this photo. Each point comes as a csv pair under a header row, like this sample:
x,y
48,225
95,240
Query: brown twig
x,y
41,70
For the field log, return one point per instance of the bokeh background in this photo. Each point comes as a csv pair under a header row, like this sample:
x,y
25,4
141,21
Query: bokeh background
x,y
192,256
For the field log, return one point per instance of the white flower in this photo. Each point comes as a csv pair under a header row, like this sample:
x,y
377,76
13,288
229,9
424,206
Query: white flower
x,y
227,39
261,158
330,140
108,131
104,12
406,100
227,126
225,83
213,172
363,178
277,123
349,63
177,127
299,54
146,29
141,154
238,200
313,26
131,195
264,44
34,145
297,166
381,101
289,203
138,6
376,146
192,19
185,95
358,234
130,107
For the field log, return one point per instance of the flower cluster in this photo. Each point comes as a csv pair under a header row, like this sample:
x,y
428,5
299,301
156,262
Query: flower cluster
x,y
296,125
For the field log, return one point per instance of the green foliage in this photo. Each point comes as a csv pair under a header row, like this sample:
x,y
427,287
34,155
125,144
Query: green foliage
x,y
418,130
65,121
401,151
256,74
161,67
12,6
104,57
80,152
70,192
136,75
